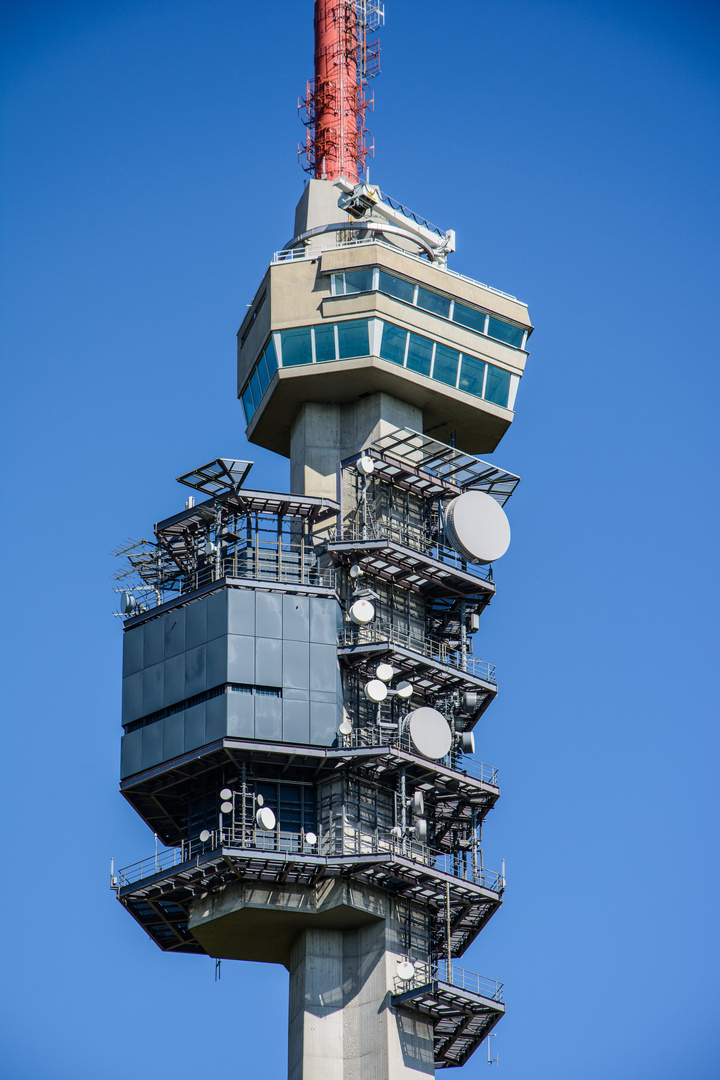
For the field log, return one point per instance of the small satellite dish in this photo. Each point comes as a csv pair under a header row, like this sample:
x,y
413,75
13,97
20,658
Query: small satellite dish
x,y
204,836
226,794
405,970
429,732
376,691
470,700
362,612
396,831
265,818
477,527
365,465
311,839
385,672
210,548
404,690
420,830
355,571
345,728
128,603
467,742
226,808
418,803
259,800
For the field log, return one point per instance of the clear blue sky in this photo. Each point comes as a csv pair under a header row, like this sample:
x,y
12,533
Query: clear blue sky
x,y
149,173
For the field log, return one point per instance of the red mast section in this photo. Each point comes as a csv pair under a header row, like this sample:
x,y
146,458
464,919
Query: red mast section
x,y
336,99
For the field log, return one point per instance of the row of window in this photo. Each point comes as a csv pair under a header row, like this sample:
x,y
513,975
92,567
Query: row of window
x,y
377,337
482,322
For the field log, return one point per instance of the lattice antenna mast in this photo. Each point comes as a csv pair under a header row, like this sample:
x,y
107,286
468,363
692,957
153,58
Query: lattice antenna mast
x,y
333,110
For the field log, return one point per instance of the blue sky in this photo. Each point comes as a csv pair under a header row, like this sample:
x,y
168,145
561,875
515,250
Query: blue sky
x,y
149,172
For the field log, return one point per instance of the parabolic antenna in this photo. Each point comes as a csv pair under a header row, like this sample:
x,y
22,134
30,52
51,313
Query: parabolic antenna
x,y
365,465
204,836
311,839
345,728
362,612
429,732
265,818
226,808
376,691
226,794
128,603
404,690
405,970
385,672
477,527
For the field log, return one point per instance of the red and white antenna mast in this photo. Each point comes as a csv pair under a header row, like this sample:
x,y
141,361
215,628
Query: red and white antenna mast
x,y
336,99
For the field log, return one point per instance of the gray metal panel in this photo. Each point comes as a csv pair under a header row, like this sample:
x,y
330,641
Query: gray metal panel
x,y
268,717
268,661
323,667
296,721
196,623
195,671
153,642
152,744
268,614
217,614
216,659
296,664
216,717
132,650
324,619
241,715
240,659
130,754
323,697
152,689
195,727
174,632
241,611
173,735
132,697
296,617
324,722
174,680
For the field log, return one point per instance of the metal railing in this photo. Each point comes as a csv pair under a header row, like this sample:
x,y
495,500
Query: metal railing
x,y
378,632
413,539
293,254
337,841
375,736
427,971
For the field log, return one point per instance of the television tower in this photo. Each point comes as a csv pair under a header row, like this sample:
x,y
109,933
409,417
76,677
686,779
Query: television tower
x,y
300,685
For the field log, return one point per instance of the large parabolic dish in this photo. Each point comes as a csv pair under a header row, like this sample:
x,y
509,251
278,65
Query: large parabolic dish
x,y
477,527
429,732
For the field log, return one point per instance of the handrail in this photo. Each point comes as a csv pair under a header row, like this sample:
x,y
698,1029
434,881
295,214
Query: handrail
x,y
377,632
372,735
428,971
412,539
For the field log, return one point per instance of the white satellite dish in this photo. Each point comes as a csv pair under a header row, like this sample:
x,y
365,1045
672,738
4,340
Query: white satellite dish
x,y
210,548
128,603
376,691
419,830
477,527
226,794
404,690
385,672
429,732
405,970
362,612
467,742
355,571
345,728
204,836
259,800
265,818
311,839
418,803
226,808
365,465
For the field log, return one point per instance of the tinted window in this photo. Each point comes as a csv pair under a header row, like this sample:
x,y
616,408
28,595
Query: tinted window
x,y
394,286
263,374
471,375
248,405
431,301
446,365
353,339
358,281
506,332
324,343
497,388
393,343
271,358
296,346
419,354
255,385
474,320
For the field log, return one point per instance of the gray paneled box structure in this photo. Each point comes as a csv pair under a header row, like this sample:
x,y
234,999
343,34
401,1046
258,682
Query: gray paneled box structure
x,y
238,662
